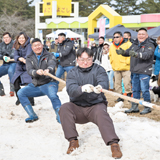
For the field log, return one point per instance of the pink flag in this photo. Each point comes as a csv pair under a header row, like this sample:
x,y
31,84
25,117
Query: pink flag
x,y
102,27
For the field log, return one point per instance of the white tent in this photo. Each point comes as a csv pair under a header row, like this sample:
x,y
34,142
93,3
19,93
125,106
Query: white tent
x,y
68,33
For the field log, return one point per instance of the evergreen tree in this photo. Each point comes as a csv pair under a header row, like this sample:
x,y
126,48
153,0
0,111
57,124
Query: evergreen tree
x,y
150,6
126,7
86,7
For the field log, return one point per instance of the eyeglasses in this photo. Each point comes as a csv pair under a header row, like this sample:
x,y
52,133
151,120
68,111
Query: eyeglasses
x,y
117,37
85,60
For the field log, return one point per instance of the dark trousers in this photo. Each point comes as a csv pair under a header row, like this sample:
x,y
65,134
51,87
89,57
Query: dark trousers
x,y
17,83
71,114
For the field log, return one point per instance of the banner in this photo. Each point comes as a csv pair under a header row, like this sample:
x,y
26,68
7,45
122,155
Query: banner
x,y
102,27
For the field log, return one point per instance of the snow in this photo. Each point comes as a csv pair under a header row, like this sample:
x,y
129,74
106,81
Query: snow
x,y
44,139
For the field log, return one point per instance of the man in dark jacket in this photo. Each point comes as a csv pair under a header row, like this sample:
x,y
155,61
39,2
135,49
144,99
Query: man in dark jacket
x,y
66,54
8,67
142,55
87,102
38,63
99,51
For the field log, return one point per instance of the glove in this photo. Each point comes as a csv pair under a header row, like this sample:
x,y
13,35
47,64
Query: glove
x,y
120,51
133,53
97,89
56,54
87,88
6,59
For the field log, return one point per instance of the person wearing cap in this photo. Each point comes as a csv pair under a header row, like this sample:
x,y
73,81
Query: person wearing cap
x,y
66,54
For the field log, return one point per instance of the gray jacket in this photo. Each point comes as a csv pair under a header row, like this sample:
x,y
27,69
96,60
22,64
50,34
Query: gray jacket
x,y
67,53
7,50
143,63
77,77
47,61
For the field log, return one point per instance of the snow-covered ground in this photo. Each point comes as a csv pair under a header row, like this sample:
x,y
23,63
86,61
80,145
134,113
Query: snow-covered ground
x,y
44,139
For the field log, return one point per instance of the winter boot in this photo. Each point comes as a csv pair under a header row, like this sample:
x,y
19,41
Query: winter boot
x,y
31,99
11,89
57,115
17,102
146,110
32,116
1,90
72,146
116,152
133,109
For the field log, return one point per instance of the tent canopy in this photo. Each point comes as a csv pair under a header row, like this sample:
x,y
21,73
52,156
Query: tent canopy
x,y
68,33
109,33
154,32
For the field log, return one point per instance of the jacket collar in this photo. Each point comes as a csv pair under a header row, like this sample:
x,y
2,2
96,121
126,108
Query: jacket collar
x,y
120,43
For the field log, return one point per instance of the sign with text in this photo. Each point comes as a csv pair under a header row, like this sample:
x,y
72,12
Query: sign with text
x,y
64,7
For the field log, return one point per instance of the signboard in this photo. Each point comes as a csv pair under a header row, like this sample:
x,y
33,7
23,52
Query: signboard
x,y
64,7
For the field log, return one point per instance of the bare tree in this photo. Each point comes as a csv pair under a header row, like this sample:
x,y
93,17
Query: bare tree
x,y
15,24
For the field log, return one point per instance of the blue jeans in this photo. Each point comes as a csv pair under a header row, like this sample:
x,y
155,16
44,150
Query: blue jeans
x,y
61,70
50,89
140,82
7,69
110,77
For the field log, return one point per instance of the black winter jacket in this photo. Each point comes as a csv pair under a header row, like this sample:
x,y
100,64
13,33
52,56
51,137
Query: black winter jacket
x,y
143,63
7,50
47,61
78,77
67,53
98,53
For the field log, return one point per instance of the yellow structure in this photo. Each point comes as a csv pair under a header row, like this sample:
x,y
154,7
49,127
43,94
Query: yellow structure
x,y
64,7
113,16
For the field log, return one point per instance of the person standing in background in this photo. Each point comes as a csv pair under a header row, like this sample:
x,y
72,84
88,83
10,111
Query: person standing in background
x,y
107,66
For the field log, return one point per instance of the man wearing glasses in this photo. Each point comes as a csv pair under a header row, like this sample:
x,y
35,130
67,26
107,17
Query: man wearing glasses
x,y
87,102
120,64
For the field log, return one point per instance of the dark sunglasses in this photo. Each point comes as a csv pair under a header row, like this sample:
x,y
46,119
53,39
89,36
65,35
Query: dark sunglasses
x,y
117,37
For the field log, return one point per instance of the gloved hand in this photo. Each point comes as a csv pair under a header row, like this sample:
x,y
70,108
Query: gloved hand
x,y
120,51
133,53
97,89
56,54
6,59
87,88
